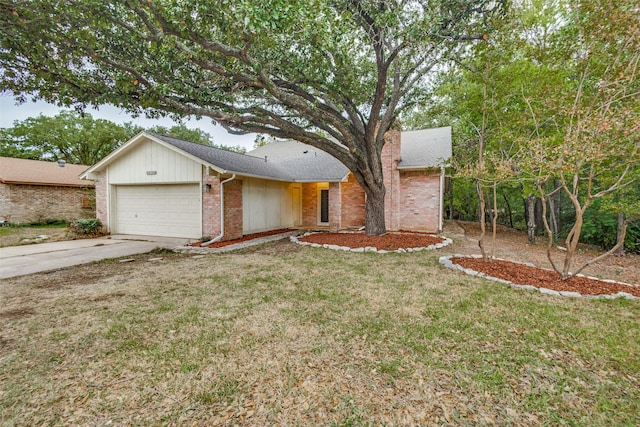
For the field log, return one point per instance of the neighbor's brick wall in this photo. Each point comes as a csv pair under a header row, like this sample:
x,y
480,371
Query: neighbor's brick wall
x,y
5,200
210,205
353,209
232,210
102,208
420,201
309,204
28,203
390,156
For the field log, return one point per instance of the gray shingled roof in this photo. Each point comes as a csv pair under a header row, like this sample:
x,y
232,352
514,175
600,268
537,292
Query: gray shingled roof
x,y
303,162
425,148
285,160
228,160
293,161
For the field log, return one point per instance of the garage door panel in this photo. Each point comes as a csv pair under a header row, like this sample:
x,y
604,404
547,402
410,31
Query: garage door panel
x,y
158,210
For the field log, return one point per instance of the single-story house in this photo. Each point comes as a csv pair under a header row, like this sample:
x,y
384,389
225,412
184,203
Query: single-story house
x,y
34,190
163,186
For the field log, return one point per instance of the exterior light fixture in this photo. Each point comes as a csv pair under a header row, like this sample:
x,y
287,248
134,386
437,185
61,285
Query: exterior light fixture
x,y
207,188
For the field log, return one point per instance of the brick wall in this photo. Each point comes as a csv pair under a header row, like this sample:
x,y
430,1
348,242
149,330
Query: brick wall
x,y
309,204
353,209
210,205
28,203
232,210
420,201
102,208
390,156
335,206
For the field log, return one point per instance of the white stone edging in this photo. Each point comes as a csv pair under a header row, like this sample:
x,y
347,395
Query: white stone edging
x,y
446,261
295,239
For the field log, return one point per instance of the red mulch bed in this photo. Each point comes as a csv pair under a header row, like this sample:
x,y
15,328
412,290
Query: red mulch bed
x,y
540,278
388,242
241,239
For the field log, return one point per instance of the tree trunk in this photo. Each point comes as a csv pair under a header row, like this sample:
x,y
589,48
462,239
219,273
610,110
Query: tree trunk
x,y
530,214
555,204
509,211
620,234
483,228
539,224
450,182
494,220
374,211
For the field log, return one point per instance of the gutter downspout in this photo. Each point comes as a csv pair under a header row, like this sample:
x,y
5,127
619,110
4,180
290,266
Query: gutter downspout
x,y
215,239
441,199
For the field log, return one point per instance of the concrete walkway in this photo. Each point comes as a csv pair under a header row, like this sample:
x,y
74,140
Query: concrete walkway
x,y
36,258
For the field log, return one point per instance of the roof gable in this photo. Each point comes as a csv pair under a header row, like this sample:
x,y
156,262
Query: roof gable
x,y
38,172
426,148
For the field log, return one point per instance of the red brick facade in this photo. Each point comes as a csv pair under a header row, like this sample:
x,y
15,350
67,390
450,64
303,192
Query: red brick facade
x,y
352,204
412,199
419,201
28,203
210,205
232,210
390,157
335,206
310,204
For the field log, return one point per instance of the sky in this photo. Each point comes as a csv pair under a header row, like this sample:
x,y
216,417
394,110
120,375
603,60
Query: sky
x,y
10,112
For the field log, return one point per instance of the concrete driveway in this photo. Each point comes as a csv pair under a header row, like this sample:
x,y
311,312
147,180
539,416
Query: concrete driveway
x,y
28,259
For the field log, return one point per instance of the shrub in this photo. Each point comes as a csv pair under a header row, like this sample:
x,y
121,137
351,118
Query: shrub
x,y
86,227
43,222
600,227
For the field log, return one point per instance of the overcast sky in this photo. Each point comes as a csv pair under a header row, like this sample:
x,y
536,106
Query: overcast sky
x,y
10,112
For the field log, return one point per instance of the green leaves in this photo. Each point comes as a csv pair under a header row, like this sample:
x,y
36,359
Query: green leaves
x,y
70,136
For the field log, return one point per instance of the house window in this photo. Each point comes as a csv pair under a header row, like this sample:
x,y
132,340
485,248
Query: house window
x,y
88,202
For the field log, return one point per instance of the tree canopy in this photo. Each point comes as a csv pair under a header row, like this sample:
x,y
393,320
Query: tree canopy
x,y
70,136
552,102
79,138
317,71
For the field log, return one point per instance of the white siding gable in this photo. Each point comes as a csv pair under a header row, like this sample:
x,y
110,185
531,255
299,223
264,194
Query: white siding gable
x,y
152,163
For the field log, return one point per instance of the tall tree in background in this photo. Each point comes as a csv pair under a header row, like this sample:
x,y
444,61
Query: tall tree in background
x,y
79,138
316,71
70,136
598,154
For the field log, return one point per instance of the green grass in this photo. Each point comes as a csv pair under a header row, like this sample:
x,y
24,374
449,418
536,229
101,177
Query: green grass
x,y
311,337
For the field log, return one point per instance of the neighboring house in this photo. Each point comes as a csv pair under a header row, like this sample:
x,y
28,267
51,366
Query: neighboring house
x,y
33,190
162,186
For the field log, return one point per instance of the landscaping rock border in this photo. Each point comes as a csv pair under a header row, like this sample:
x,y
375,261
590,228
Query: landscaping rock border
x,y
295,239
446,261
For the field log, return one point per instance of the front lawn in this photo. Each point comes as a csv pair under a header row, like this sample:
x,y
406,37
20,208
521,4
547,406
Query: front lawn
x,y
289,335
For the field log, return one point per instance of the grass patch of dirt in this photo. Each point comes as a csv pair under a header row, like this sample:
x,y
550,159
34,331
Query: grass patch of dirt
x,y
15,236
291,335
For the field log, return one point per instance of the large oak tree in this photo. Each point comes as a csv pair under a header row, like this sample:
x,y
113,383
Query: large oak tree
x,y
334,74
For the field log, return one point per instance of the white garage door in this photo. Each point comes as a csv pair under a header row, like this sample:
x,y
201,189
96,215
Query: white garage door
x,y
158,210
